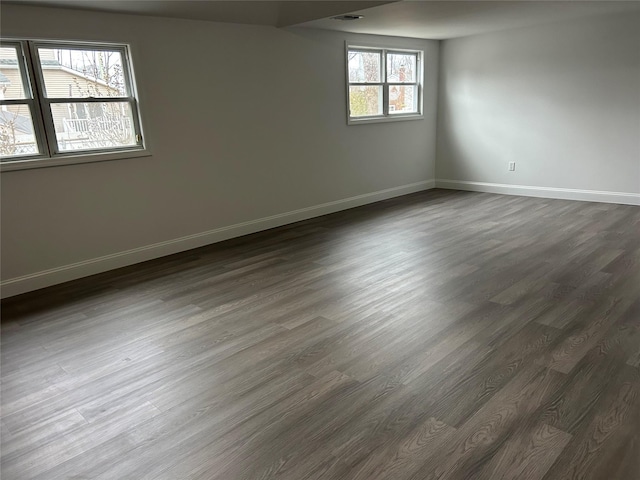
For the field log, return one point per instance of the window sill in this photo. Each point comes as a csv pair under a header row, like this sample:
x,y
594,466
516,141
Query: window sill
x,y
394,118
58,161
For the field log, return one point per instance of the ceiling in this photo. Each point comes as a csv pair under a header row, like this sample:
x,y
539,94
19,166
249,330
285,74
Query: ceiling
x,y
450,19
408,18
261,12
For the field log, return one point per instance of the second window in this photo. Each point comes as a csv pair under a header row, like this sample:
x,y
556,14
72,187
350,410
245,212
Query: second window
x,y
383,83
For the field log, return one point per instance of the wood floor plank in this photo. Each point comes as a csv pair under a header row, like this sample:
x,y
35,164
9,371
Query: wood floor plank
x,y
482,435
399,459
574,400
607,446
586,333
528,455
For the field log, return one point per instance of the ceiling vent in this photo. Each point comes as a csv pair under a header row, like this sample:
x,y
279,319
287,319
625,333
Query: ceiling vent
x,y
347,17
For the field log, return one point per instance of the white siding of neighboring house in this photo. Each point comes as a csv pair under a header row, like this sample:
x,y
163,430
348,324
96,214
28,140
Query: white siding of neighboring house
x,y
13,90
60,82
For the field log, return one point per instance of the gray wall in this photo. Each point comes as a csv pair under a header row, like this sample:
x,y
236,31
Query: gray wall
x,y
244,122
561,100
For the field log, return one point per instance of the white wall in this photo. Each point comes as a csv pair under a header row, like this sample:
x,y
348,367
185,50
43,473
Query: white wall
x,y
561,100
260,131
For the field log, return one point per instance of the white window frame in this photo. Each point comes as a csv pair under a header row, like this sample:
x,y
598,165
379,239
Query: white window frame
x,y
41,114
386,116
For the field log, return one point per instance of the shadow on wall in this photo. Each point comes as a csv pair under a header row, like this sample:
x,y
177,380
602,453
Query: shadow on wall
x,y
561,100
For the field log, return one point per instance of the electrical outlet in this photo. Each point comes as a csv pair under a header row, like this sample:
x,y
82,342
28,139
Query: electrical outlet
x,y
512,166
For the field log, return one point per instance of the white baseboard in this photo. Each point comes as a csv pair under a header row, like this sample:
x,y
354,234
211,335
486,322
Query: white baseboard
x,y
65,273
544,192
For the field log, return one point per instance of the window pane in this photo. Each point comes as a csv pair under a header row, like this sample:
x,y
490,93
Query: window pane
x,y
365,100
365,66
11,87
93,126
70,73
17,137
403,99
401,68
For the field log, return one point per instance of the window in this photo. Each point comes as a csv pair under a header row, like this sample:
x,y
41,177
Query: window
x,y
62,100
383,84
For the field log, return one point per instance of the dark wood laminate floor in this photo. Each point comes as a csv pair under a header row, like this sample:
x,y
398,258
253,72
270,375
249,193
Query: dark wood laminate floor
x,y
441,335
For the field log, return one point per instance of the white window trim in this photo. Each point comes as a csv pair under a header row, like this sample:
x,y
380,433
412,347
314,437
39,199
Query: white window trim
x,y
44,130
61,160
385,117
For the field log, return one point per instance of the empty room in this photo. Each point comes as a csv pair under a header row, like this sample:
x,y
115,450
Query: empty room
x,y
320,240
